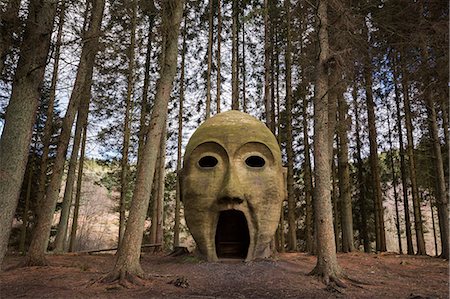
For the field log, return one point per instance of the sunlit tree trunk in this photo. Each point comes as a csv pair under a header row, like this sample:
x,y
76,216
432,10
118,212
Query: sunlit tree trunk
x,y
127,265
127,122
21,110
327,266
47,132
144,102
176,234
39,242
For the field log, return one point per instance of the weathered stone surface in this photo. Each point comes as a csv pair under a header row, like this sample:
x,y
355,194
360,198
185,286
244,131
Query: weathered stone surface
x,y
232,168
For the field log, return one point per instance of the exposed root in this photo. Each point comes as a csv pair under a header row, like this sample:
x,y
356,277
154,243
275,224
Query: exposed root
x,y
123,278
331,280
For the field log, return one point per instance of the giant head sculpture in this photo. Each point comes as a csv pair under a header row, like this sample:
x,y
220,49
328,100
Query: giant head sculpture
x,y
233,185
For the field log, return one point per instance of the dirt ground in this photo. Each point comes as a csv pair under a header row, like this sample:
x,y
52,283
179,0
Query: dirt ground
x,y
371,276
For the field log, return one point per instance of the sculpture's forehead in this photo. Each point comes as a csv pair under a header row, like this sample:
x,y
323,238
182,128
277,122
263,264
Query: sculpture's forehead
x,y
232,129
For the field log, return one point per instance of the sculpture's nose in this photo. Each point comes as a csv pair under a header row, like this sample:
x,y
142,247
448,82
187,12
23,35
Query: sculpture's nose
x,y
231,191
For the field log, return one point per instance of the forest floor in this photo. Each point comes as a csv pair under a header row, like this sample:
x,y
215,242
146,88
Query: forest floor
x,y
371,276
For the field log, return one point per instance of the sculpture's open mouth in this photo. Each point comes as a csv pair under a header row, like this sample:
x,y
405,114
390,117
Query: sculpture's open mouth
x,y
232,235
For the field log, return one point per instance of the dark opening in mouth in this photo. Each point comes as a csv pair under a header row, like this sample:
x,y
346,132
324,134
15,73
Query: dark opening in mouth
x,y
232,235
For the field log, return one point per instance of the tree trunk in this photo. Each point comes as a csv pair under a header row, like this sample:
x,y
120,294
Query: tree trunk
x,y
420,240
373,158
24,227
144,102
219,41
409,243
47,133
21,110
344,177
127,123
160,192
334,201
127,263
234,58
210,48
267,70
73,233
440,191
176,233
361,184
68,191
38,247
10,24
244,97
309,222
434,229
292,233
327,266
394,179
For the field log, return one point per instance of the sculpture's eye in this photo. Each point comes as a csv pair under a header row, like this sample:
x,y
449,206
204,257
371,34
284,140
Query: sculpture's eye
x,y
255,161
207,162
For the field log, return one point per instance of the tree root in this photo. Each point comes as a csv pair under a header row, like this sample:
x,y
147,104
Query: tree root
x,y
123,278
331,280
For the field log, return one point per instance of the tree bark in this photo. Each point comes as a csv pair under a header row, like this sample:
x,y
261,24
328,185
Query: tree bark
x,y
334,201
127,265
160,191
420,240
234,57
394,179
20,113
409,244
373,158
38,247
47,133
309,222
24,226
267,68
208,72
292,233
73,233
361,184
10,24
244,97
434,229
176,234
144,102
440,191
327,266
344,177
127,123
219,41
60,242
